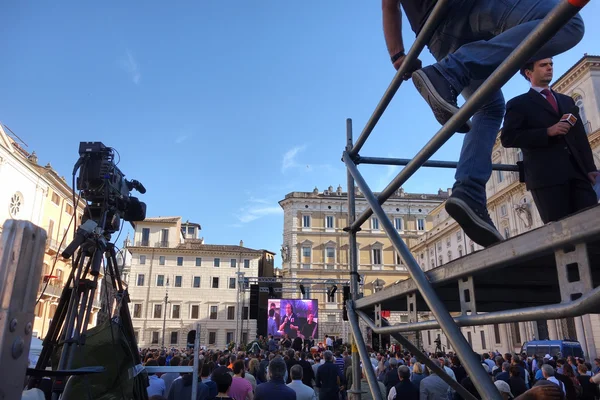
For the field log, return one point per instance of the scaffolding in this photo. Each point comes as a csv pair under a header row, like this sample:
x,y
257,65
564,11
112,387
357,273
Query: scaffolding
x,y
557,255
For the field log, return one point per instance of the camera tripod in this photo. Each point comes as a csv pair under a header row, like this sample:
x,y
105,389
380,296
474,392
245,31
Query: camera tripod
x,y
69,325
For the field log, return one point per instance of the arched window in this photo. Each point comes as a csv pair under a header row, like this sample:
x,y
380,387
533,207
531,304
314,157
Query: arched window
x,y
578,99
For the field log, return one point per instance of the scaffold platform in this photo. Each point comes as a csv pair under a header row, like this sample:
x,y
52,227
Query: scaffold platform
x,y
517,273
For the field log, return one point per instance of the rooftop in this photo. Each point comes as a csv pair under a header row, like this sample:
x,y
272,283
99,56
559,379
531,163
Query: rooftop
x,y
164,220
586,57
400,194
196,244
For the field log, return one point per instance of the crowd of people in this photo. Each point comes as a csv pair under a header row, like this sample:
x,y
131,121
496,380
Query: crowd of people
x,y
266,373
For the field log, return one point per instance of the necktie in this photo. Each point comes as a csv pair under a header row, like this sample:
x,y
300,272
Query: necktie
x,y
550,99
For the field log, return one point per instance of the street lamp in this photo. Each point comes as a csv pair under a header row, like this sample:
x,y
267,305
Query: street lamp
x,y
165,313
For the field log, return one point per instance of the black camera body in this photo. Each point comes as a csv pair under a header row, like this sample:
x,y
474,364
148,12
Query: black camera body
x,y
105,189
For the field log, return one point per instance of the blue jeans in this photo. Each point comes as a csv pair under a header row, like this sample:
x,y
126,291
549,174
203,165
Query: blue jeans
x,y
476,37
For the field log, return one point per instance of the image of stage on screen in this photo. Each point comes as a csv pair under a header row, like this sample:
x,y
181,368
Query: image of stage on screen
x,y
294,317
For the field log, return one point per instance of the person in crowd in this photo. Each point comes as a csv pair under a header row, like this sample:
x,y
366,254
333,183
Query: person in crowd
x,y
303,391
275,388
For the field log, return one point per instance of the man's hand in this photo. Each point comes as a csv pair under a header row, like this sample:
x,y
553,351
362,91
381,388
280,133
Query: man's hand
x,y
560,128
593,176
545,392
412,68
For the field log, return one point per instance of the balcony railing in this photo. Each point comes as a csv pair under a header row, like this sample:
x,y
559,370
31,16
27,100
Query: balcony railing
x,y
162,243
142,243
51,290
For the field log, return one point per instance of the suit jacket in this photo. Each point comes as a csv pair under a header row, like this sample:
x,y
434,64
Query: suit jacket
x,y
547,160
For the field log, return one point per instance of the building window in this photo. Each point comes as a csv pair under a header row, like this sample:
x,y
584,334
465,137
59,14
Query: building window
x,y
154,337
330,253
449,256
420,224
69,209
142,260
198,261
230,312
50,232
175,311
579,103
195,312
399,259
398,224
140,279
213,312
233,263
503,211
212,337
439,246
231,283
499,176
506,232
246,263
306,251
173,337
178,279
158,311
179,261
245,312
215,282
196,283
459,235
305,266
217,263
472,247
440,260
519,155
306,221
229,337
137,311
145,236
191,231
460,251
448,241
15,205
55,198
329,222
161,260
377,256
432,264
164,241
483,344
160,280
497,333
469,339
375,224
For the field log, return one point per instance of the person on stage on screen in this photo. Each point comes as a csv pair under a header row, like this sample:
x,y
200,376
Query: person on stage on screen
x,y
271,323
276,315
289,323
309,329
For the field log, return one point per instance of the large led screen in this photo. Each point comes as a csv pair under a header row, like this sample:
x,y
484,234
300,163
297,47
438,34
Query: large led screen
x,y
294,317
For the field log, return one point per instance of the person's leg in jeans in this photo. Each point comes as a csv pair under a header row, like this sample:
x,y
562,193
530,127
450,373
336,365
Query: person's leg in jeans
x,y
467,204
497,27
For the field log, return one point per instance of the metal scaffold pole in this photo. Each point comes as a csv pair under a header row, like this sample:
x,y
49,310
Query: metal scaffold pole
x,y
356,390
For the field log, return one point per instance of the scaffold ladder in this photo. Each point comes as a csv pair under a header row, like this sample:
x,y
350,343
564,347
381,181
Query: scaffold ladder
x,y
545,30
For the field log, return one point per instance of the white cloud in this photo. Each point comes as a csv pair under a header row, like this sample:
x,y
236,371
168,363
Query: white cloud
x,y
181,139
250,214
130,65
289,158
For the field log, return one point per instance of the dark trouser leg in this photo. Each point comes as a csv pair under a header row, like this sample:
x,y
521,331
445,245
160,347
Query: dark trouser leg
x,y
553,202
582,195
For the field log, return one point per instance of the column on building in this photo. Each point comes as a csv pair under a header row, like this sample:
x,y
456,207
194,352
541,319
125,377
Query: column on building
x,y
552,329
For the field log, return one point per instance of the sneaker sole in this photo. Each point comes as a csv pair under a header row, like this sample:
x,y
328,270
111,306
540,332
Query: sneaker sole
x,y
442,110
475,228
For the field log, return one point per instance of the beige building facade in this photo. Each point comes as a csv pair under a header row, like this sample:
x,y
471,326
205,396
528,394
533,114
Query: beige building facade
x,y
513,211
38,194
176,281
315,246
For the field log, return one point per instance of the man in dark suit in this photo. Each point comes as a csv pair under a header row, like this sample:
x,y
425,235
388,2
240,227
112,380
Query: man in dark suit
x,y
557,158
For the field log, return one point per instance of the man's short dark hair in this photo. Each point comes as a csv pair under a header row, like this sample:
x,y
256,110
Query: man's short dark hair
x,y
277,368
526,67
223,381
238,366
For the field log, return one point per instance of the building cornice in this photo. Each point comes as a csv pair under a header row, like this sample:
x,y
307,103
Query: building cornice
x,y
572,74
183,251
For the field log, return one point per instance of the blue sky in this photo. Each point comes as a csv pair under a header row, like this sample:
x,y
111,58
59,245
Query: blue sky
x,y
220,108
